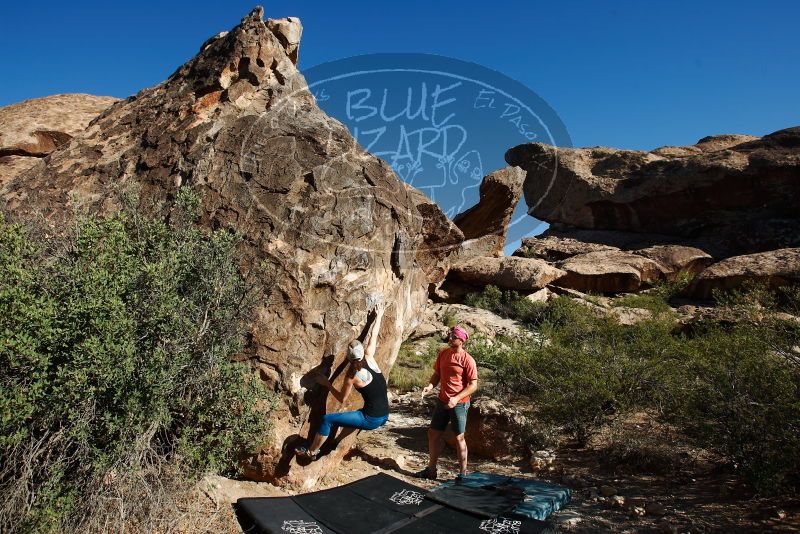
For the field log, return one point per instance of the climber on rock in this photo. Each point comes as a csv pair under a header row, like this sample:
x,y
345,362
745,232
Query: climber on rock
x,y
457,376
365,376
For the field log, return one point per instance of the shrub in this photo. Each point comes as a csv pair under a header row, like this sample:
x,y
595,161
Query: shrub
x,y
582,368
733,389
741,397
115,348
508,304
450,318
414,365
653,303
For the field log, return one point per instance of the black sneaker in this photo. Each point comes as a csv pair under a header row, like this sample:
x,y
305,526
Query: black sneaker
x,y
428,473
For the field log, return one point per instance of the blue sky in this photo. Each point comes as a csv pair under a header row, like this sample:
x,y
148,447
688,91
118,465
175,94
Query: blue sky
x,y
624,74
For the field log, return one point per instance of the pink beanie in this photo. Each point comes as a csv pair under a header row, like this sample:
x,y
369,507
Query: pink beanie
x,y
460,333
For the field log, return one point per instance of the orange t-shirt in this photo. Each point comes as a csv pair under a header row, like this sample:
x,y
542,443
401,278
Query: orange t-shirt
x,y
455,373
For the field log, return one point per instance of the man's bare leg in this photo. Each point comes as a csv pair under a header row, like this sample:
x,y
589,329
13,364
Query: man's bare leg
x,y
435,446
462,453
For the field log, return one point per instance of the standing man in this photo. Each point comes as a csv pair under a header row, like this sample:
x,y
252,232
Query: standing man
x,y
457,376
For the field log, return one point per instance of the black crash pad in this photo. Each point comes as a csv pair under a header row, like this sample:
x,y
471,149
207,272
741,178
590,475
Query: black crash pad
x,y
379,504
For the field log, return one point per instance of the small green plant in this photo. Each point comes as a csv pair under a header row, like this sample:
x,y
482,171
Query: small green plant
x,y
651,302
508,304
450,318
414,365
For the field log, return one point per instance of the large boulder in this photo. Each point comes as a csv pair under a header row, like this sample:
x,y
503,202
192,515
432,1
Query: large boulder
x,y
32,129
500,192
508,272
238,125
609,271
774,268
677,259
554,248
494,430
442,241
738,191
478,321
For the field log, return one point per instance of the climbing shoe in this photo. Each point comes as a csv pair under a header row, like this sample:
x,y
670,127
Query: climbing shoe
x,y
303,452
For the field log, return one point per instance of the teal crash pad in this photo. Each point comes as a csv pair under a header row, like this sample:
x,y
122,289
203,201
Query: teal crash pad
x,y
541,498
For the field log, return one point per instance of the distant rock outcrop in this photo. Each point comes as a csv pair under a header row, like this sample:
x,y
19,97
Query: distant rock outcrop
x,y
238,125
509,272
32,129
735,194
500,192
681,208
773,269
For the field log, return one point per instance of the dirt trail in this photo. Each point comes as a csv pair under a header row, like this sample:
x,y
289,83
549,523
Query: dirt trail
x,y
691,502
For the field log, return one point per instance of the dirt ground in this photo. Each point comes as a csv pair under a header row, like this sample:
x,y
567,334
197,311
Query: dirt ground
x,y
692,501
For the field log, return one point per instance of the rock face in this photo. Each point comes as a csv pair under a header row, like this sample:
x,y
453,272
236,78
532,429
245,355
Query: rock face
x,y
774,268
477,320
500,192
32,129
608,271
442,239
675,259
493,430
739,192
553,248
238,125
288,31
509,272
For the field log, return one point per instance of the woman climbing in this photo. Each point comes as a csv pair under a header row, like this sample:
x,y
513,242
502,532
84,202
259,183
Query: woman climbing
x,y
367,378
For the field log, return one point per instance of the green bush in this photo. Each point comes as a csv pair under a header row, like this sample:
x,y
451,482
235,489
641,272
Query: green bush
x,y
742,399
581,368
115,348
508,304
734,389
414,365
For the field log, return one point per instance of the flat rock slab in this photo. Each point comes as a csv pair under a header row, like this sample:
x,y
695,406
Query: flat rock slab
x,y
609,271
774,268
509,272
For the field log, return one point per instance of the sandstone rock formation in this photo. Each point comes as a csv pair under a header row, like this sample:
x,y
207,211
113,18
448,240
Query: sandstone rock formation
x,y
500,192
288,30
608,271
738,194
773,268
509,272
674,259
237,124
477,320
553,248
32,129
493,430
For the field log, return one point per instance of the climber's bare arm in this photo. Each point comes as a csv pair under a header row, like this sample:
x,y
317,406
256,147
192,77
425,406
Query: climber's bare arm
x,y
372,343
347,387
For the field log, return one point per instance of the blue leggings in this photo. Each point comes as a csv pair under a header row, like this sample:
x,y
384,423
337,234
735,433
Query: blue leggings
x,y
354,419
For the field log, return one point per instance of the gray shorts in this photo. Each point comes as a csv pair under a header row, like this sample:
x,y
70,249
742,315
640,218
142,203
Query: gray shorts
x,y
456,416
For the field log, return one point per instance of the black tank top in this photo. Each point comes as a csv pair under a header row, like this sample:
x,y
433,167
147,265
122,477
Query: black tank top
x,y
376,401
